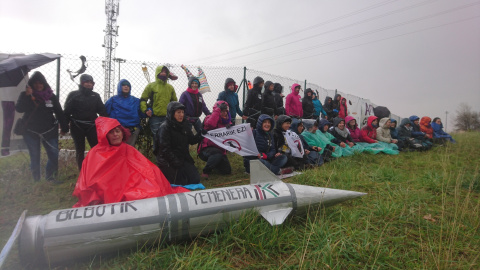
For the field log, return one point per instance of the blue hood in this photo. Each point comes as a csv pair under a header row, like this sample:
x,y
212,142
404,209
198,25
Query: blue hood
x,y
322,123
413,118
262,118
294,125
119,87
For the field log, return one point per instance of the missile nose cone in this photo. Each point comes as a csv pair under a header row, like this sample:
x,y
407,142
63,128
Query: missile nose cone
x,y
310,196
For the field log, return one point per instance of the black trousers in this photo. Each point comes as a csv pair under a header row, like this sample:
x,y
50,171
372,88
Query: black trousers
x,y
79,132
215,160
185,175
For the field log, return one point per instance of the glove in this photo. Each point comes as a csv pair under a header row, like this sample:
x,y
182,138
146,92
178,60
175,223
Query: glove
x,y
335,110
203,131
263,156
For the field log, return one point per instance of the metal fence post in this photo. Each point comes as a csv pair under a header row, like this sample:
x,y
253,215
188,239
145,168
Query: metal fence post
x,y
244,84
305,88
58,78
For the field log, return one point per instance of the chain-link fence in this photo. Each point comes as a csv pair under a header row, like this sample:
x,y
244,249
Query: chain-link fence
x,y
132,71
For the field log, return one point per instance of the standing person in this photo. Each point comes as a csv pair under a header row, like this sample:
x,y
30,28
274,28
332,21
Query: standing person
x,y
194,104
215,156
318,106
328,107
253,105
81,109
155,99
230,96
172,151
265,143
40,105
126,109
343,112
293,103
336,102
269,105
278,91
307,104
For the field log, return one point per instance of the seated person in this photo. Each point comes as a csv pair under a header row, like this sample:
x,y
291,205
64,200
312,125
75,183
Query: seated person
x,y
343,138
393,129
418,134
425,127
405,136
438,132
319,139
172,151
215,156
353,129
312,155
369,132
283,124
383,133
114,171
266,146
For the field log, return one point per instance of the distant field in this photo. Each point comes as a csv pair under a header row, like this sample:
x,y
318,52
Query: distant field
x,y
422,211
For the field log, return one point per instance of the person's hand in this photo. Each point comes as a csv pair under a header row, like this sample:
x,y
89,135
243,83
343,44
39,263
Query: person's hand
x,y
307,152
277,154
333,147
394,140
350,144
375,141
203,131
342,144
319,149
149,113
28,90
244,117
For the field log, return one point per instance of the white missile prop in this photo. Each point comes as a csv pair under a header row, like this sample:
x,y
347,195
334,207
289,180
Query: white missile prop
x,y
68,234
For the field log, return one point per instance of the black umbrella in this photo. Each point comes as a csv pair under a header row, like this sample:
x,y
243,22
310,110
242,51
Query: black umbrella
x,y
14,69
381,112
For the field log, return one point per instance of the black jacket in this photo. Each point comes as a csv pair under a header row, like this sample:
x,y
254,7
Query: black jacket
x,y
328,107
269,105
336,103
254,99
84,105
42,119
278,89
174,139
278,131
307,105
337,136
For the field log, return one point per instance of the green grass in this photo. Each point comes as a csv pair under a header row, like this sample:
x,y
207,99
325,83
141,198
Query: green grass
x,y
422,211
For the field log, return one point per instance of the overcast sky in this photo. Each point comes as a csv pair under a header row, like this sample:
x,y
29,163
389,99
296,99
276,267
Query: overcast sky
x,y
415,57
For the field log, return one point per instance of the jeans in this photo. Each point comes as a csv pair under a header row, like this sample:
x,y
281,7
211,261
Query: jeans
x,y
215,160
155,122
273,165
32,141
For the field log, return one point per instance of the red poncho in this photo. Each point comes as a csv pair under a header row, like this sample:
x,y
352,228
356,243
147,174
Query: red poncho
x,y
118,173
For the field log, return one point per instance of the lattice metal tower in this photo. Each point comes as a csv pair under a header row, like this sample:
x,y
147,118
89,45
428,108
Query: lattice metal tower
x,y
112,8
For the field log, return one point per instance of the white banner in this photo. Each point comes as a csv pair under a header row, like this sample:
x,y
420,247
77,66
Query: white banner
x,y
294,143
238,139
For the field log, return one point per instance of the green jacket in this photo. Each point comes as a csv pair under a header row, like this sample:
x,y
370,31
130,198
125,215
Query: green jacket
x,y
158,94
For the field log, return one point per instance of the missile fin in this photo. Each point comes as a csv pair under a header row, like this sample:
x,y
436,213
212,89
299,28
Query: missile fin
x,y
276,217
260,174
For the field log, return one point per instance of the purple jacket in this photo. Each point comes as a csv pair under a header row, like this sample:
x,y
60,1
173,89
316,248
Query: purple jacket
x,y
186,100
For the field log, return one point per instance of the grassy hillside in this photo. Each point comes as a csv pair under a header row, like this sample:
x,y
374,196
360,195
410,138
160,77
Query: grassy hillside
x,y
422,211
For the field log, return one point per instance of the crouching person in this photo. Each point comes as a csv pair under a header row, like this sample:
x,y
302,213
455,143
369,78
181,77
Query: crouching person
x,y
266,146
173,155
208,151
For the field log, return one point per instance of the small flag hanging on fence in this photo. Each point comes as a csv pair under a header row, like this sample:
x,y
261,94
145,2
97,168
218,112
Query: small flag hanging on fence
x,y
238,139
295,143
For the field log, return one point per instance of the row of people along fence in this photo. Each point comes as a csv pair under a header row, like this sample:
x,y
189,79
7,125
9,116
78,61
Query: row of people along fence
x,y
61,73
